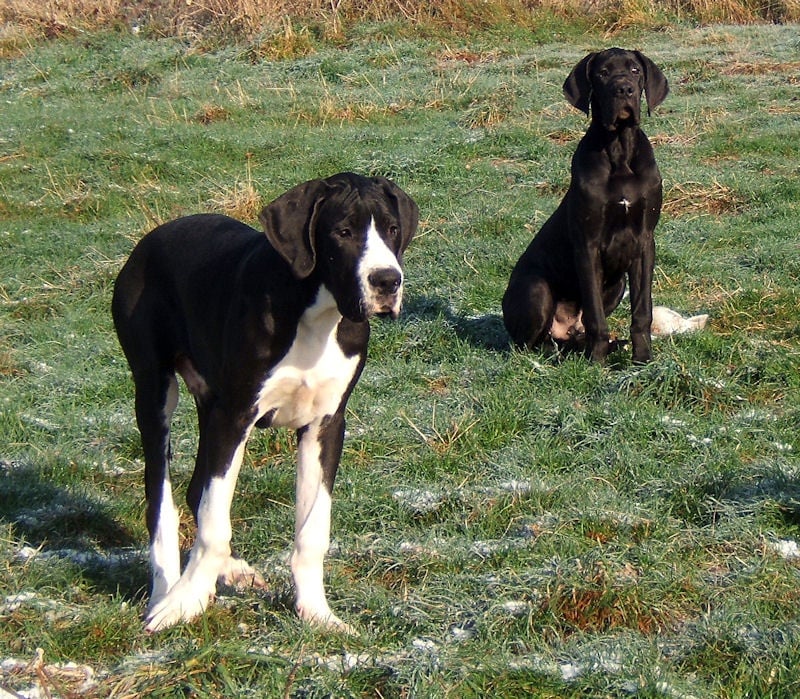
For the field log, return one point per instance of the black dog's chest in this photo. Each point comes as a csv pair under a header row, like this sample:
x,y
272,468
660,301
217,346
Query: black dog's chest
x,y
622,214
621,236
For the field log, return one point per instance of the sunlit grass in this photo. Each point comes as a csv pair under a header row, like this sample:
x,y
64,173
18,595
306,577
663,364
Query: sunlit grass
x,y
505,523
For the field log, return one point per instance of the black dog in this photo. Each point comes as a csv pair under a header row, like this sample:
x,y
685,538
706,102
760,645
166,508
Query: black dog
x,y
572,276
266,330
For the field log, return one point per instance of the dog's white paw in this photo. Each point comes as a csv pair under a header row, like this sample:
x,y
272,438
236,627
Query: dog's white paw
x,y
322,617
239,573
184,602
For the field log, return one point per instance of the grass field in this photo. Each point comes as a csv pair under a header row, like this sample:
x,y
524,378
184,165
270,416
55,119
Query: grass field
x,y
505,524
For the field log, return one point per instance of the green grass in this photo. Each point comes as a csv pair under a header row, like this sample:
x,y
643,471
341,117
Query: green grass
x,y
505,524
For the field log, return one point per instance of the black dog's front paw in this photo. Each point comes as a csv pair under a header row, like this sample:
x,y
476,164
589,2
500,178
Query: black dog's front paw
x,y
598,350
641,348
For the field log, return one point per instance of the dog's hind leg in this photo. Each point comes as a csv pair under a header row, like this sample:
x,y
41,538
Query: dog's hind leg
x,y
219,457
234,571
155,403
528,310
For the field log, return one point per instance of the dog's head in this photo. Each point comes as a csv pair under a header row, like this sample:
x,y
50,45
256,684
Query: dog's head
x,y
350,231
612,82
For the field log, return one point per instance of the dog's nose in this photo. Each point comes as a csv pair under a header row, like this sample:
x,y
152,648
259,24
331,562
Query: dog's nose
x,y
624,91
386,280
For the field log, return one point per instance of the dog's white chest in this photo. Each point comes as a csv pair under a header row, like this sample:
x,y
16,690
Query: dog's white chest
x,y
308,383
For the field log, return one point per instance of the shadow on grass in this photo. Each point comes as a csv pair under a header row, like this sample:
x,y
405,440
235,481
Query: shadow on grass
x,y
767,492
488,332
485,332
64,525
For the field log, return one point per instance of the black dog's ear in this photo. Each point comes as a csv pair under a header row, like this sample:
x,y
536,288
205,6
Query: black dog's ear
x,y
289,223
407,211
656,87
578,85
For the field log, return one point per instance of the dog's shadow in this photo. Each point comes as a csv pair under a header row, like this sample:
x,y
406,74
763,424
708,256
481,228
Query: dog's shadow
x,y
486,332
57,524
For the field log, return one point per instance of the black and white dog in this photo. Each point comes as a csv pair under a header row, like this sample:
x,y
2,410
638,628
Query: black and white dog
x,y
266,330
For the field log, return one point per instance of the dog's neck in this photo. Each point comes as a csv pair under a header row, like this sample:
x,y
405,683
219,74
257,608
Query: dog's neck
x,y
620,147
323,315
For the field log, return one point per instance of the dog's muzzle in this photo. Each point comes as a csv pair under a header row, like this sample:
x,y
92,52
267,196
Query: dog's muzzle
x,y
623,105
385,291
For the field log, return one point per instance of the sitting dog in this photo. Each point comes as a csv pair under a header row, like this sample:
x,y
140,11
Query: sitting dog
x,y
573,273
266,330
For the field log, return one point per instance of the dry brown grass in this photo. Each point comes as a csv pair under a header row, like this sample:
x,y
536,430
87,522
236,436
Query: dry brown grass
x,y
240,200
334,110
762,68
462,55
8,366
211,113
697,199
609,600
248,19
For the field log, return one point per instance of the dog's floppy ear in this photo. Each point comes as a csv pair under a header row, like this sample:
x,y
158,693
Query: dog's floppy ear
x,y
407,211
290,221
656,87
578,86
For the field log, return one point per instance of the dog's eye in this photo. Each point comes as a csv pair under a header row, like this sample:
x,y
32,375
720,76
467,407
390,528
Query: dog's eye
x,y
343,233
635,70
393,231
604,73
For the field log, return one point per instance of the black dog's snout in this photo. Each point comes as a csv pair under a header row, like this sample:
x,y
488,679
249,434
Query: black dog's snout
x,y
386,280
624,90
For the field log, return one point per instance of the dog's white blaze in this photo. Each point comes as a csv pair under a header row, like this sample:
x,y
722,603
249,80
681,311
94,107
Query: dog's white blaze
x,y
312,532
308,383
377,255
210,554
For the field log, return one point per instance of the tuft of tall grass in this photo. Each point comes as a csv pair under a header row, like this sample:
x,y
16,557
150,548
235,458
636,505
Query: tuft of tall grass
x,y
287,28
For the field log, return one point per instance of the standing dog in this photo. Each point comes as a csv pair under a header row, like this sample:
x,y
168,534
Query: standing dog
x,y
572,275
266,330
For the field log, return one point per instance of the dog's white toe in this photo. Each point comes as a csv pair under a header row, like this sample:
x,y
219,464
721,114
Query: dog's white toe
x,y
324,618
239,573
183,603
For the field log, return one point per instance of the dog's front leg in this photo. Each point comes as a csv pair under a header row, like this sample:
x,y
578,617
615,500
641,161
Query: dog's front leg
x,y
318,451
640,278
